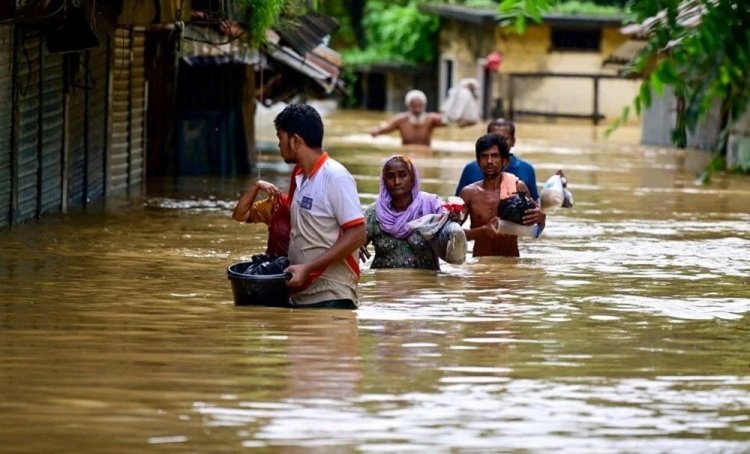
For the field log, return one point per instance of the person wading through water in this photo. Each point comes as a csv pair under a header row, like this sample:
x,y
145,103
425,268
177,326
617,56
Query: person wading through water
x,y
327,225
415,125
482,199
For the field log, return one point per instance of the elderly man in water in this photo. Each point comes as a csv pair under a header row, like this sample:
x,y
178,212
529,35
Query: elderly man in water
x,y
415,125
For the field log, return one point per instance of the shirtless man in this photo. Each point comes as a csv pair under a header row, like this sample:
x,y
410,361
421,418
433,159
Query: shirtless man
x,y
481,199
516,166
415,125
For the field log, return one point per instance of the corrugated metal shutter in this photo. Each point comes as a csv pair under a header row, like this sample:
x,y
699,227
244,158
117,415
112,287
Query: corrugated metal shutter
x,y
127,146
27,138
52,132
97,119
6,116
119,155
76,165
137,109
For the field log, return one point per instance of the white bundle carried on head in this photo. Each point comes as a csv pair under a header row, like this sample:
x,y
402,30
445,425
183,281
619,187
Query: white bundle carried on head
x,y
462,104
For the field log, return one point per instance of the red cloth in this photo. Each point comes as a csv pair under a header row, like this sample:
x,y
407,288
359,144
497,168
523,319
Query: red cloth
x,y
279,227
281,220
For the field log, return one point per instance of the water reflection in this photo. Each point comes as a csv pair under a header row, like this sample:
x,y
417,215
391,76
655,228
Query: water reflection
x,y
623,329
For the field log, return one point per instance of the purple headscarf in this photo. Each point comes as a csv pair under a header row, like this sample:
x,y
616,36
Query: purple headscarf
x,y
394,222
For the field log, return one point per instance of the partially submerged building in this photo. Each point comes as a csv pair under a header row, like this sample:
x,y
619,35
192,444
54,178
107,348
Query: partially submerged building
x,y
382,86
554,70
73,107
659,119
95,96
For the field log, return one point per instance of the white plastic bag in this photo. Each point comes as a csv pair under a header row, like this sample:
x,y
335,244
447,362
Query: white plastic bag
x,y
428,225
511,228
555,193
452,243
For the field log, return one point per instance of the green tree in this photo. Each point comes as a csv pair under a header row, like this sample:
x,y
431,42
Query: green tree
x,y
257,16
396,33
700,48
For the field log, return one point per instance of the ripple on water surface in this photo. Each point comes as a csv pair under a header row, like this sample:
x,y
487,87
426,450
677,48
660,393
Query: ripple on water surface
x,y
622,329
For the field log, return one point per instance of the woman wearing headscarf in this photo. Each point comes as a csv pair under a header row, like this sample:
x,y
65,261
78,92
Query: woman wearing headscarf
x,y
400,202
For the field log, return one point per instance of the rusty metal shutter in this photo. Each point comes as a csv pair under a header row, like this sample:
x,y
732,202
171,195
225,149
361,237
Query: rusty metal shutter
x,y
50,198
6,115
76,165
96,110
119,151
27,52
127,147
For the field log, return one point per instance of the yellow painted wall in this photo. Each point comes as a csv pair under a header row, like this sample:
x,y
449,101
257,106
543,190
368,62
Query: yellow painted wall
x,y
526,53
530,53
462,43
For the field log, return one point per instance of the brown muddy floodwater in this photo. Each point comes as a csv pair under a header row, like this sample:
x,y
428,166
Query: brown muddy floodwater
x,y
625,328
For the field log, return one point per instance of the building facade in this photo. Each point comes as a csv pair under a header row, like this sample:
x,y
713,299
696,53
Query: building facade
x,y
72,112
91,98
553,70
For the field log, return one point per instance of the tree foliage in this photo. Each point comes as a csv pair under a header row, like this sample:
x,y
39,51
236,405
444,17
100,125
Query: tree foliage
x,y
257,16
348,13
396,33
699,48
523,10
703,60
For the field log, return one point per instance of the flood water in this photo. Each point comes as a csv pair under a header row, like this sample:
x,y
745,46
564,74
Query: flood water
x,y
623,329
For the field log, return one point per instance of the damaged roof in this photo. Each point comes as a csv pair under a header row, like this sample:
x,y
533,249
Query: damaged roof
x,y
294,58
305,33
688,15
320,64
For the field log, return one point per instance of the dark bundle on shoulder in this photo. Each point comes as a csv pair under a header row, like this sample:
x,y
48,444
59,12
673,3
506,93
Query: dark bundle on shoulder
x,y
513,208
266,264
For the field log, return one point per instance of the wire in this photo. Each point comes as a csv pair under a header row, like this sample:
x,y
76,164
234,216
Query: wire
x,y
260,118
122,60
23,16
89,83
214,43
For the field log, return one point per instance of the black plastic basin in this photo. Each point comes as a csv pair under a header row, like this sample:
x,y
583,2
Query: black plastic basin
x,y
252,290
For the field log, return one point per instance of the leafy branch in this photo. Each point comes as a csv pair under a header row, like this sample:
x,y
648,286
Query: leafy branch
x,y
396,33
699,48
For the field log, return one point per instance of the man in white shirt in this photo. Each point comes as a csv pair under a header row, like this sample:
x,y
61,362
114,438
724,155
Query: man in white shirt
x,y
327,222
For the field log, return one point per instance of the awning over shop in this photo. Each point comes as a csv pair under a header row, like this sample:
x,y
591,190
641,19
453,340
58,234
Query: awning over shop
x,y
321,64
294,61
305,33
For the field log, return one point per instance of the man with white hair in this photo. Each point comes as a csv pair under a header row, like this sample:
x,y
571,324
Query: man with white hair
x,y
415,125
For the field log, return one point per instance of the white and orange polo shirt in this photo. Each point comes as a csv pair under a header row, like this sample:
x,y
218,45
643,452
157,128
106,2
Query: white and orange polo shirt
x,y
325,203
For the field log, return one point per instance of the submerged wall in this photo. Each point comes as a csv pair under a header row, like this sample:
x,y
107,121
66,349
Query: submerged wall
x,y
738,146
